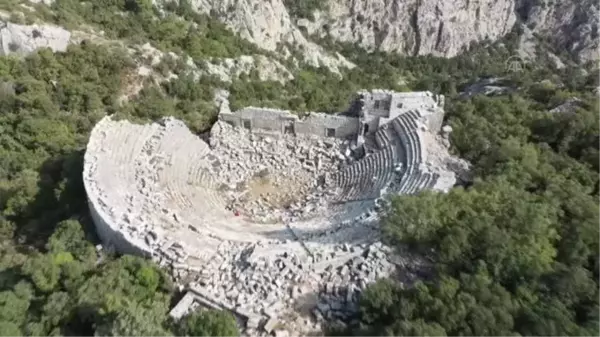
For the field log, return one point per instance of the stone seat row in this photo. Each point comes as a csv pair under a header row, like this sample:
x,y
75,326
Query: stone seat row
x,y
111,185
195,192
414,178
382,138
116,173
365,178
188,179
385,171
407,129
173,176
413,182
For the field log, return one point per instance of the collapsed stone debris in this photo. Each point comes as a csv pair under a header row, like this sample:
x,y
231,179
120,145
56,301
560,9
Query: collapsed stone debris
x,y
275,218
272,178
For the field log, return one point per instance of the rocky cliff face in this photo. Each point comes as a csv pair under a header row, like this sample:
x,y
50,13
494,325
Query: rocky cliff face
x,y
443,28
23,39
569,25
410,27
268,24
415,27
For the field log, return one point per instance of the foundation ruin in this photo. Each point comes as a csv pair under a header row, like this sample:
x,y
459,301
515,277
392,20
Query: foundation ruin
x,y
275,218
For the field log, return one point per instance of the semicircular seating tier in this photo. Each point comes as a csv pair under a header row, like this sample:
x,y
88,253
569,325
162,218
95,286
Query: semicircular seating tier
x,y
152,192
153,189
271,200
397,165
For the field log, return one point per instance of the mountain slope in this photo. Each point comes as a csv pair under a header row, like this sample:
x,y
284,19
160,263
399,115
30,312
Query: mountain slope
x,y
415,27
569,26
410,27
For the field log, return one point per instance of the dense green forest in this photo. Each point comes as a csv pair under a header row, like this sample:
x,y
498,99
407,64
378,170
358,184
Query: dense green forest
x,y
516,252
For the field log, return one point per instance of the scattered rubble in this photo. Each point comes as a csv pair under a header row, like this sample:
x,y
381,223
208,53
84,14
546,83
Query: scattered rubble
x,y
263,290
273,177
254,222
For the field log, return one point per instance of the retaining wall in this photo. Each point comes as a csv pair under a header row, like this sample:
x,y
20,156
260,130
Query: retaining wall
x,y
112,236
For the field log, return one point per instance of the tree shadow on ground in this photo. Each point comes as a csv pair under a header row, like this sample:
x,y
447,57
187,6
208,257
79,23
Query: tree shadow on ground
x,y
363,233
60,196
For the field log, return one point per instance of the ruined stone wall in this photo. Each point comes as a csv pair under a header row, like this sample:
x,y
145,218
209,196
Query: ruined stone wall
x,y
379,106
390,104
111,236
316,124
377,103
373,122
435,121
275,120
265,119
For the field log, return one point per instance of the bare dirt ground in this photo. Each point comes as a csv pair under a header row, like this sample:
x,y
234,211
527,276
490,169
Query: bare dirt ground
x,y
269,191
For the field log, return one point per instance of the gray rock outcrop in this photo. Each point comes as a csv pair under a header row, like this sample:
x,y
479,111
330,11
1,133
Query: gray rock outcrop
x,y
411,27
488,87
570,25
45,2
227,69
268,24
415,27
23,39
570,106
444,28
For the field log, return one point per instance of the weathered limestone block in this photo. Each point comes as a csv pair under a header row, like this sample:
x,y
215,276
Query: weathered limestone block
x,y
270,325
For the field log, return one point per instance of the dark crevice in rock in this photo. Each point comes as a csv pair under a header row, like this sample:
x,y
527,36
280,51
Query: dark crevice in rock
x,y
438,40
523,9
379,34
414,23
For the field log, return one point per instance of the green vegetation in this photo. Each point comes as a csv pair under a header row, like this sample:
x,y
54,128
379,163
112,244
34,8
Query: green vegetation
x,y
208,323
176,28
516,252
304,8
51,280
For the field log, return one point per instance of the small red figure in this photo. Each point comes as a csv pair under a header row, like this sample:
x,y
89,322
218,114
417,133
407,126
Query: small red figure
x,y
236,213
